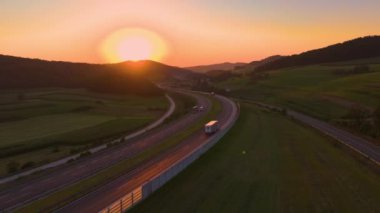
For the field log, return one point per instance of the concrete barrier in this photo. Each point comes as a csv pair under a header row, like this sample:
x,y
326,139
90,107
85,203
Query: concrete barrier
x,y
63,161
152,185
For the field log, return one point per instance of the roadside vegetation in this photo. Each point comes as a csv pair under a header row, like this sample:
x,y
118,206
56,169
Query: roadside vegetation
x,y
184,105
77,190
345,93
268,163
42,125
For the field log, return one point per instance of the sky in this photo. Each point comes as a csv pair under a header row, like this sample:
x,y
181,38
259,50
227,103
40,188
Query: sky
x,y
194,31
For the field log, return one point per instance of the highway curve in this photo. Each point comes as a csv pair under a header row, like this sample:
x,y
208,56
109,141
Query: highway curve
x,y
360,145
30,189
112,191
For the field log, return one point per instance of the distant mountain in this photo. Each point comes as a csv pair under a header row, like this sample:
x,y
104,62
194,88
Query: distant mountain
x,y
212,67
221,75
365,47
252,65
156,71
266,60
126,78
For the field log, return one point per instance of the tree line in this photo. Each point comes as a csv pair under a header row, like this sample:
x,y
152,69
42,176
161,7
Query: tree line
x,y
32,73
365,47
363,120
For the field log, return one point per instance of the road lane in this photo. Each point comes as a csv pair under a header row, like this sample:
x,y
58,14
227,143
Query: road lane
x,y
114,190
51,181
358,144
95,149
364,147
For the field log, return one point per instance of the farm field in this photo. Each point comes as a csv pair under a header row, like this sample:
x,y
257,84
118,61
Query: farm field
x,y
42,125
268,163
316,90
124,166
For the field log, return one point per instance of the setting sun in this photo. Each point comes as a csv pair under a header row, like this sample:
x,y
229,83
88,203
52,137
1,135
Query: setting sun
x,y
132,44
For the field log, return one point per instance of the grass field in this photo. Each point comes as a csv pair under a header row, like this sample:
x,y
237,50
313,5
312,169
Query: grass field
x,y
315,90
321,91
268,163
76,190
47,124
183,105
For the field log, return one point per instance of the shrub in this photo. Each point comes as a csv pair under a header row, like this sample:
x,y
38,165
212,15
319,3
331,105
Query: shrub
x,y
84,154
75,150
70,160
28,164
361,69
359,115
55,149
13,167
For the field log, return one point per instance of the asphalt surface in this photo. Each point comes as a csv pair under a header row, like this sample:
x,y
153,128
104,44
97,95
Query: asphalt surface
x,y
114,190
95,149
29,189
360,145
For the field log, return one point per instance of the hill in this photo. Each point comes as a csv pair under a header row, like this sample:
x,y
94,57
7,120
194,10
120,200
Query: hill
x,y
156,71
266,60
247,68
365,47
223,66
126,78
343,93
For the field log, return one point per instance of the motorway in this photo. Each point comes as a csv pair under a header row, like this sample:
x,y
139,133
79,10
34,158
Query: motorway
x,y
29,189
104,196
360,145
94,149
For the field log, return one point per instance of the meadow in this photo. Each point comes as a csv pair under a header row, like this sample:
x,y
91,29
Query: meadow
x,y
269,163
76,190
316,90
42,125
332,92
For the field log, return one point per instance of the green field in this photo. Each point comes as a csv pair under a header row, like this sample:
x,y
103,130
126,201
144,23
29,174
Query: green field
x,y
77,190
316,90
268,163
319,91
46,124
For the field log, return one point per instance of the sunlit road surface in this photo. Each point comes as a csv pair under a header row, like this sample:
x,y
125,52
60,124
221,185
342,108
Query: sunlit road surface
x,y
112,191
25,191
362,146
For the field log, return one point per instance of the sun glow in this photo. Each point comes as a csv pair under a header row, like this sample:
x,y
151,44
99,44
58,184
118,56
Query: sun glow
x,y
133,44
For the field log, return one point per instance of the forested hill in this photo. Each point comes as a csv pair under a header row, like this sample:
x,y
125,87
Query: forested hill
x,y
365,47
156,71
213,67
18,72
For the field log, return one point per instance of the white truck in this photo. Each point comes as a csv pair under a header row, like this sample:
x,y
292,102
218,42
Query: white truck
x,y
211,127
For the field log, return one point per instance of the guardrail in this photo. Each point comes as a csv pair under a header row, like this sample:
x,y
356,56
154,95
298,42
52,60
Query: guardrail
x,y
360,145
356,143
150,186
126,202
93,150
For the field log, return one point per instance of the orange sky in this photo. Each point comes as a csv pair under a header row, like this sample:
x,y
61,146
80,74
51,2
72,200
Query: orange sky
x,y
195,31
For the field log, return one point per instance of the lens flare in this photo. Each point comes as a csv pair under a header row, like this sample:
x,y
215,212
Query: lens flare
x,y
133,44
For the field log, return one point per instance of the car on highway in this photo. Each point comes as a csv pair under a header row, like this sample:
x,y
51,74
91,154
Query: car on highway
x,y
211,127
198,108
